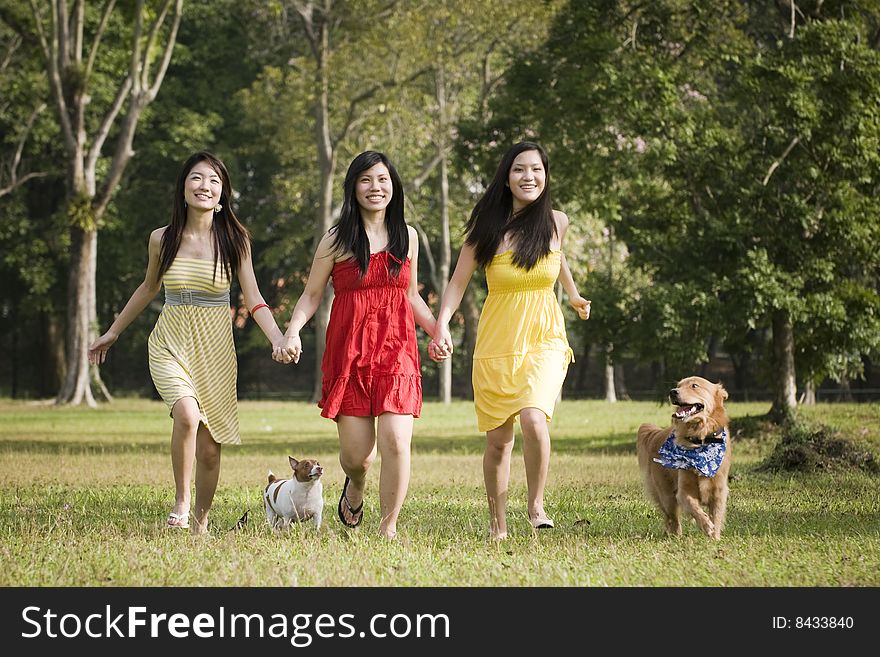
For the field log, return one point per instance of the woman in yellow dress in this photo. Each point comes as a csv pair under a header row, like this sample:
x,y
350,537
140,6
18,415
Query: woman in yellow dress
x,y
522,353
192,355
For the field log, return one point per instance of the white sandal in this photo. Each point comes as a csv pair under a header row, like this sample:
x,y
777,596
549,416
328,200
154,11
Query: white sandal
x,y
177,521
541,523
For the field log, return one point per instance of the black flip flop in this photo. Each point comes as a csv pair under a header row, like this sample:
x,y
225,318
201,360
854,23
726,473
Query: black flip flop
x,y
356,513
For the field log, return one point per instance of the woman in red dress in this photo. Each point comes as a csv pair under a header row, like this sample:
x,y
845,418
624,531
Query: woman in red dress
x,y
372,385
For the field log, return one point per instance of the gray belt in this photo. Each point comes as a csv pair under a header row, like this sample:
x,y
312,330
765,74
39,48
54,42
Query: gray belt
x,y
196,298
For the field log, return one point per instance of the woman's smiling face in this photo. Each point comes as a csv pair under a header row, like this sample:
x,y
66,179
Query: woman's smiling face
x,y
526,178
374,188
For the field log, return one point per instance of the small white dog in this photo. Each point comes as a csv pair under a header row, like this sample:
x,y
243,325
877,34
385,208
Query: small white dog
x,y
296,499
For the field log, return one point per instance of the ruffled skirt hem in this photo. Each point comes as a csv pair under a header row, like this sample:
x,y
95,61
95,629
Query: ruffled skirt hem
x,y
371,396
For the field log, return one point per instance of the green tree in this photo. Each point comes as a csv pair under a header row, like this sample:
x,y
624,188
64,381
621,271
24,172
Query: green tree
x,y
738,148
103,68
815,218
339,68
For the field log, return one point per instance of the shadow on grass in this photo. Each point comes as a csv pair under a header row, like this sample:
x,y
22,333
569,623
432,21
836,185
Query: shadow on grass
x,y
613,444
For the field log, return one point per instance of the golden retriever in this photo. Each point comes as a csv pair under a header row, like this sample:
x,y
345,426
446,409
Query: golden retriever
x,y
700,429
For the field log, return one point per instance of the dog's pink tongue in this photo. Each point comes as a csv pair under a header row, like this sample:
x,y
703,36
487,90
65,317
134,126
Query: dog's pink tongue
x,y
684,410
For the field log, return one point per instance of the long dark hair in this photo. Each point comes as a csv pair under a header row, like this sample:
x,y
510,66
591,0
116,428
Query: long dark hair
x,y
350,236
531,228
231,239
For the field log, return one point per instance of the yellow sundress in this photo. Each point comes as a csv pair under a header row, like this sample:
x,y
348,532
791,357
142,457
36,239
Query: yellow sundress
x,y
192,353
522,353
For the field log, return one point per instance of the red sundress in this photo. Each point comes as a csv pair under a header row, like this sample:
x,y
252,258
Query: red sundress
x,y
371,361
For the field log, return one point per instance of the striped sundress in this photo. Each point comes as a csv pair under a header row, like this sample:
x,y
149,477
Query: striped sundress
x,y
191,349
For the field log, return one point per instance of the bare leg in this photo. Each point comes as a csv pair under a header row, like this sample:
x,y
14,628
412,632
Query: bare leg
x,y
357,451
207,476
186,416
394,436
536,454
496,474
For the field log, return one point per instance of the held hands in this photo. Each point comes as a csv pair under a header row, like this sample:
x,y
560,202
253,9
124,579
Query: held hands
x,y
581,305
288,350
98,349
440,348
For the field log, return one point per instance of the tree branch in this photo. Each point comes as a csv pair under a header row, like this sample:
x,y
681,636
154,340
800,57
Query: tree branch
x,y
370,93
107,123
52,58
306,13
14,180
96,42
169,49
139,100
426,171
426,248
151,42
134,67
59,16
15,42
773,167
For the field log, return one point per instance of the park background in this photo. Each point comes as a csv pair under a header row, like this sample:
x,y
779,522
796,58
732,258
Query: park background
x,y
719,164
718,161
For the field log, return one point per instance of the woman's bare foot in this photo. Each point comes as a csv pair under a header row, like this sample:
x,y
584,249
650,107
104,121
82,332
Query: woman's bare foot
x,y
199,528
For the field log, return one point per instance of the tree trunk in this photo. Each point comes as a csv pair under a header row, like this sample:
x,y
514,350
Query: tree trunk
x,y
68,74
809,397
610,394
80,300
327,164
582,368
784,384
846,389
740,363
445,258
53,367
620,382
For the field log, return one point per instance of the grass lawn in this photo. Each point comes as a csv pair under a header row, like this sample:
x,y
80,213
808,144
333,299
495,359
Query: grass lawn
x,y
84,494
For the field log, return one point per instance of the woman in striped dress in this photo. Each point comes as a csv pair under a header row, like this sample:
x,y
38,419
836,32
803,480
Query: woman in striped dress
x,y
192,355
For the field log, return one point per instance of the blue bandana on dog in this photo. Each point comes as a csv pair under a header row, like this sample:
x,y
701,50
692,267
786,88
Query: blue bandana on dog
x,y
705,459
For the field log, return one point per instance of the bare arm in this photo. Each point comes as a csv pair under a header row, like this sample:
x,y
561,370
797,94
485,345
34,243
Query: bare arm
x,y
319,275
421,312
139,300
575,300
252,297
464,269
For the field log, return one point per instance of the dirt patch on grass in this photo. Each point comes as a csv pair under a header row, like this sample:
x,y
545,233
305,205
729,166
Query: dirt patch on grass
x,y
817,448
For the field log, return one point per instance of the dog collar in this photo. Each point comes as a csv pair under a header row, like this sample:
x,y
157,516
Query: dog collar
x,y
715,437
705,459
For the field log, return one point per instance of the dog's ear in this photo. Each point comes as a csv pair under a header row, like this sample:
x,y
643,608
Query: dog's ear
x,y
720,391
293,462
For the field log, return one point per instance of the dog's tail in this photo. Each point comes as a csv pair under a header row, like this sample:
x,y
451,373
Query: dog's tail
x,y
272,477
242,522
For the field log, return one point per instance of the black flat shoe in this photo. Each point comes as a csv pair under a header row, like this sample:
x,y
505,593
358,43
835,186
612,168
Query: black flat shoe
x,y
356,514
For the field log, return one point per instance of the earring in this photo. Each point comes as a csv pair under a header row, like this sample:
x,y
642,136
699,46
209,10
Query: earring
x,y
185,204
217,208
